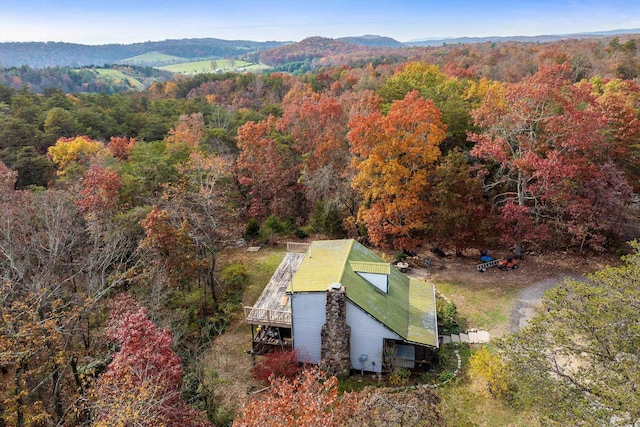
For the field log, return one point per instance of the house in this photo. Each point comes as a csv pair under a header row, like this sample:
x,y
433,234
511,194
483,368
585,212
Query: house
x,y
341,306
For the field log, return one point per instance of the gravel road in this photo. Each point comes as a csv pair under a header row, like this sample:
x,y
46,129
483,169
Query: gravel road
x,y
530,300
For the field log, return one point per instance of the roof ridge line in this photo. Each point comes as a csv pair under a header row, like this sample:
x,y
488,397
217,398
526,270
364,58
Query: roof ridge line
x,y
346,260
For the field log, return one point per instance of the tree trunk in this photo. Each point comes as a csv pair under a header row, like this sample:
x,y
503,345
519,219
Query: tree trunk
x,y
19,403
522,193
57,396
76,375
212,280
517,251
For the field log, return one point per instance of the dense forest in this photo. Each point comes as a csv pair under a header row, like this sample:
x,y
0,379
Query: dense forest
x,y
531,147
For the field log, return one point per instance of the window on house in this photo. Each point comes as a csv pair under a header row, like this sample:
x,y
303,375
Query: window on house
x,y
376,273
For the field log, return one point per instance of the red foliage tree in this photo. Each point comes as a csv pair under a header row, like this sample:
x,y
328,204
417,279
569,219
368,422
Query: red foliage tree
x,y
120,147
550,138
268,169
142,383
100,189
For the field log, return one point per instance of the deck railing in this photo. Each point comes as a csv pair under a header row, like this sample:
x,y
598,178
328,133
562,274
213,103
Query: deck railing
x,y
297,247
264,316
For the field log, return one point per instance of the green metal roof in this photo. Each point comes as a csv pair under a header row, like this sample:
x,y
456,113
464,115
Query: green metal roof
x,y
407,309
423,326
370,267
322,266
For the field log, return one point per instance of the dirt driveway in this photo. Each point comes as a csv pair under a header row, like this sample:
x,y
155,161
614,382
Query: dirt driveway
x,y
517,292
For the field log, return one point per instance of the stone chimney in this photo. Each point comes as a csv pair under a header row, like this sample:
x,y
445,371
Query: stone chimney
x,y
335,347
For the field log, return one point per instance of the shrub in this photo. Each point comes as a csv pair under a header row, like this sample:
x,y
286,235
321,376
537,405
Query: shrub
x,y
400,376
401,257
445,376
279,364
252,229
233,278
275,226
234,275
301,233
488,367
447,315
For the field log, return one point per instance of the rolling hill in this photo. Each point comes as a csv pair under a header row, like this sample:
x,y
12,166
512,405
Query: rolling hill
x,y
49,54
168,52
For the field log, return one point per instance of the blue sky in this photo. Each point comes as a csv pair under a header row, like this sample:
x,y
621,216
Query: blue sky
x,y
119,21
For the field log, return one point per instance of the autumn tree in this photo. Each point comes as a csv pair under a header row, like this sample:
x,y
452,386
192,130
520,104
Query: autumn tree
x,y
190,130
318,126
142,385
394,156
575,362
461,213
120,147
308,400
446,92
546,143
268,171
312,399
100,190
43,305
203,197
172,250
74,154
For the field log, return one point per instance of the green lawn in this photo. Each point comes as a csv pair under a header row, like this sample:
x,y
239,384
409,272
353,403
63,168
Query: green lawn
x,y
487,307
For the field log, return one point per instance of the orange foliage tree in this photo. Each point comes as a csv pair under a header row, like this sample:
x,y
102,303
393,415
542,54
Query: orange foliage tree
x,y
120,147
190,130
173,251
311,399
394,156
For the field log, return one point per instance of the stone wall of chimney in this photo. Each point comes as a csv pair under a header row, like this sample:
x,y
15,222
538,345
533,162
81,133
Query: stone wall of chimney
x,y
335,350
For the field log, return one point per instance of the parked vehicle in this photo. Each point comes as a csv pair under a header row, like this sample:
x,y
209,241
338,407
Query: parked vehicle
x,y
488,262
508,264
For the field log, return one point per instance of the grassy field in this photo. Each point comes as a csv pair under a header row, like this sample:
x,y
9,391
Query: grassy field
x,y
487,307
225,65
154,58
118,76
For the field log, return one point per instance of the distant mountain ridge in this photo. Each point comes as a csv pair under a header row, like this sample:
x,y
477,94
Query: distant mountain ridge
x,y
532,39
51,54
372,41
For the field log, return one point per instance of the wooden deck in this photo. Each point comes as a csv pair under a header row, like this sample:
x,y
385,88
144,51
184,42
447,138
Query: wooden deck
x,y
273,308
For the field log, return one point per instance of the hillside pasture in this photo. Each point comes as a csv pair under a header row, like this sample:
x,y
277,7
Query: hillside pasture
x,y
225,65
154,59
118,77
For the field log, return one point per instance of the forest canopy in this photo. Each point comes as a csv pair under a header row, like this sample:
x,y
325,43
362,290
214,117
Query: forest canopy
x,y
138,192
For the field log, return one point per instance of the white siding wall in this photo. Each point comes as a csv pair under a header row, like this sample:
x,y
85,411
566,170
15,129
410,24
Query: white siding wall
x,y
308,316
367,337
